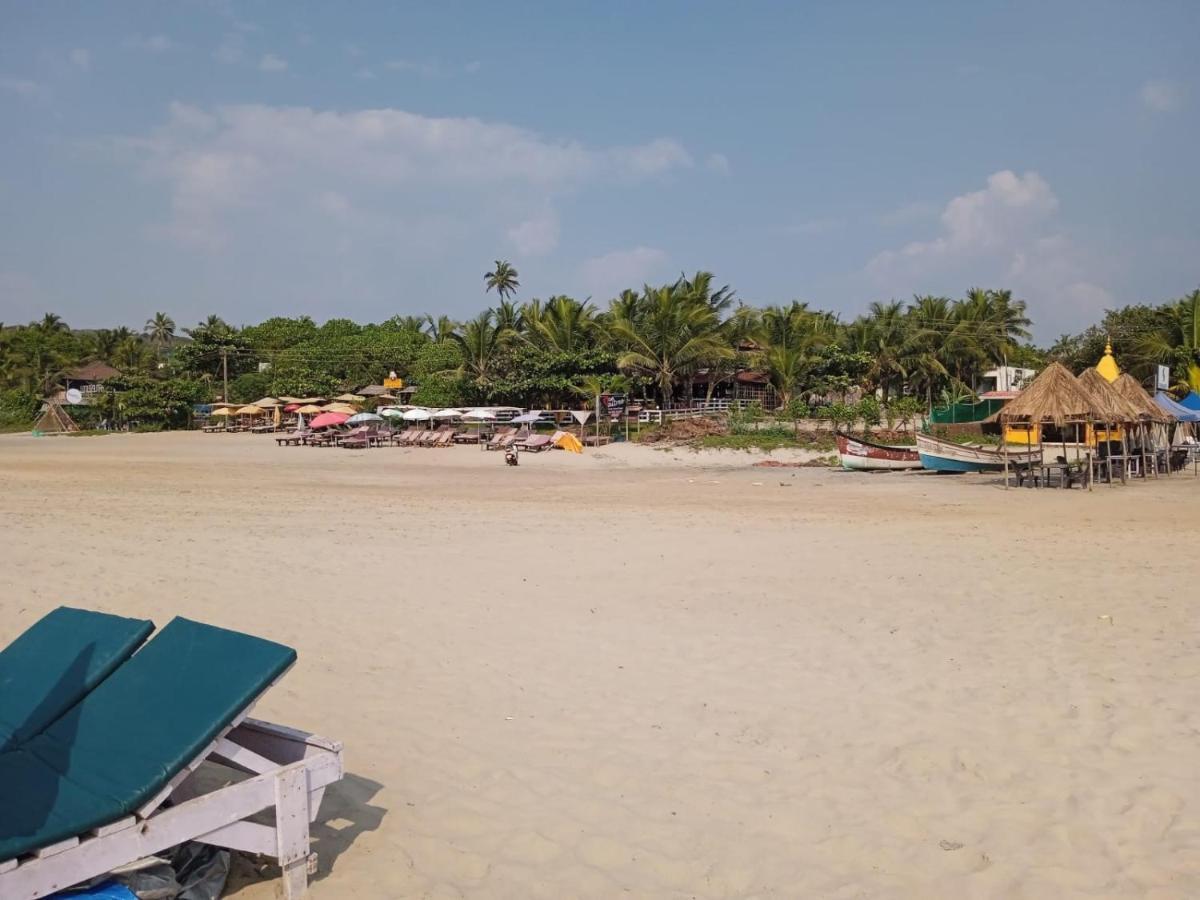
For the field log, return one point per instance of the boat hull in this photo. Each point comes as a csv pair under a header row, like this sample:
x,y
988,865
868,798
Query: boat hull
x,y
864,456
944,456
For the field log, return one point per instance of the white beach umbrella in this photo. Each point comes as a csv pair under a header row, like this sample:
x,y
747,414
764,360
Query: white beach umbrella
x,y
479,415
447,414
359,418
417,415
392,413
528,418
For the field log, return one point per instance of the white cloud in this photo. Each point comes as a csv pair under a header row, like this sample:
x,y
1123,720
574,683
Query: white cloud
x,y
230,163
272,63
1005,235
365,74
1161,95
976,223
155,43
22,87
606,276
80,58
717,162
536,236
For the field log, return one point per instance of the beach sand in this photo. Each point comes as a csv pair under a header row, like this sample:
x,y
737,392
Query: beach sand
x,y
665,674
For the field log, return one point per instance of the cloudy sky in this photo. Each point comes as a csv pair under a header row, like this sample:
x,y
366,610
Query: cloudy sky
x,y
367,160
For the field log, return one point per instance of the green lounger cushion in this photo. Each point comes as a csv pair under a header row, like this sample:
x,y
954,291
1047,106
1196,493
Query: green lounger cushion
x,y
61,657
122,743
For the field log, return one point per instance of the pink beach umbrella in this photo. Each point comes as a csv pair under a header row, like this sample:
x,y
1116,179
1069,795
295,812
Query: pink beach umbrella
x,y
324,420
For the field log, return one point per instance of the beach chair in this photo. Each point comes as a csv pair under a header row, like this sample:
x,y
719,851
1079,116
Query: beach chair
x,y
502,439
111,779
444,438
536,443
409,436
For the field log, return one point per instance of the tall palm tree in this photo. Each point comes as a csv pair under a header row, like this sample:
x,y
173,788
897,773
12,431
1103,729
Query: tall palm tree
x,y
51,323
674,336
160,330
502,279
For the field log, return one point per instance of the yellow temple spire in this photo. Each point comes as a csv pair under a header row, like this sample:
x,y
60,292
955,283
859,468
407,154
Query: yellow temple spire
x,y
1108,366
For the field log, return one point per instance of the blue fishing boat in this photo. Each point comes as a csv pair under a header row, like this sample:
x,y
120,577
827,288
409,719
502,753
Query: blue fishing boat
x,y
946,456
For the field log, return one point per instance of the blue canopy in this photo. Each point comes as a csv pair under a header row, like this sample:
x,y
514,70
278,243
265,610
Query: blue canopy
x,y
1180,412
1191,401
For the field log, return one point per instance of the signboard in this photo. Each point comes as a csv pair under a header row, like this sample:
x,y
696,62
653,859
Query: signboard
x,y
1163,379
393,384
615,405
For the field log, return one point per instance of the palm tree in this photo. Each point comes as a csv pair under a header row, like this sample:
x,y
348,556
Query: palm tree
x,y
441,329
565,325
480,342
674,336
502,279
1177,343
508,318
160,330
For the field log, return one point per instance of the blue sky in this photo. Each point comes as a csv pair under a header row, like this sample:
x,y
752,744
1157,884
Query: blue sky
x,y
367,160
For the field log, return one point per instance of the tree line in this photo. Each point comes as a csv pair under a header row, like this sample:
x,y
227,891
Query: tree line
x,y
667,342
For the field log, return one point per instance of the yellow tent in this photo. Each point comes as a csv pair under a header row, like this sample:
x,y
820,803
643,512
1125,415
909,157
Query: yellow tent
x,y
568,441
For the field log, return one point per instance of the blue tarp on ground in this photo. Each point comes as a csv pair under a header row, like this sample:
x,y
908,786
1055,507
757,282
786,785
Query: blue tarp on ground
x,y
1180,412
1191,401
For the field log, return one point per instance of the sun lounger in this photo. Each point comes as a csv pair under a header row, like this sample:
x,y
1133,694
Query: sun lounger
x,y
50,667
536,443
502,439
294,437
89,792
444,439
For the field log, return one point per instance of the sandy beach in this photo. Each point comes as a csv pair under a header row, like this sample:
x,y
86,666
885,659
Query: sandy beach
x,y
662,674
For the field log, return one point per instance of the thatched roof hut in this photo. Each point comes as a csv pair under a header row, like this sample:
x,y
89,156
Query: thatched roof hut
x,y
1131,389
1053,398
1110,406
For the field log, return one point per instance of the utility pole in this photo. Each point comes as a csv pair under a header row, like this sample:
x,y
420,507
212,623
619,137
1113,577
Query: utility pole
x,y
225,372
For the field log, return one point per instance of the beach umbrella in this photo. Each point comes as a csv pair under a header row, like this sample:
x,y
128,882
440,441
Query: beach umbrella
x,y
349,398
224,411
446,414
325,419
291,407
300,422
340,408
359,418
267,403
417,415
286,400
392,413
278,416
250,410
528,418
309,409
567,441
479,415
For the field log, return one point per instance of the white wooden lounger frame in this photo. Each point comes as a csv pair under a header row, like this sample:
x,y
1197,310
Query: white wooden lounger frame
x,y
290,770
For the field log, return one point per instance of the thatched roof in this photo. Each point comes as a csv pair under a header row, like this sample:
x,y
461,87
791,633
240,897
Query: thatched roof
x,y
1131,389
93,371
1054,397
1110,405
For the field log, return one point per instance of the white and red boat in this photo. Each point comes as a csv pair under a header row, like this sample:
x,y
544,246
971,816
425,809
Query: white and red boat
x,y
859,454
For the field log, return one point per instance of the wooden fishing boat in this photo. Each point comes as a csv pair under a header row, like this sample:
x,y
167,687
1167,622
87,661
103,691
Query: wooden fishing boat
x,y
862,455
946,456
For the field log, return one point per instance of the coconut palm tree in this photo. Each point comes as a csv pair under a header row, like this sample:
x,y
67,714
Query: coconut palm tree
x,y
565,325
674,336
480,342
1177,343
441,329
502,279
159,330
